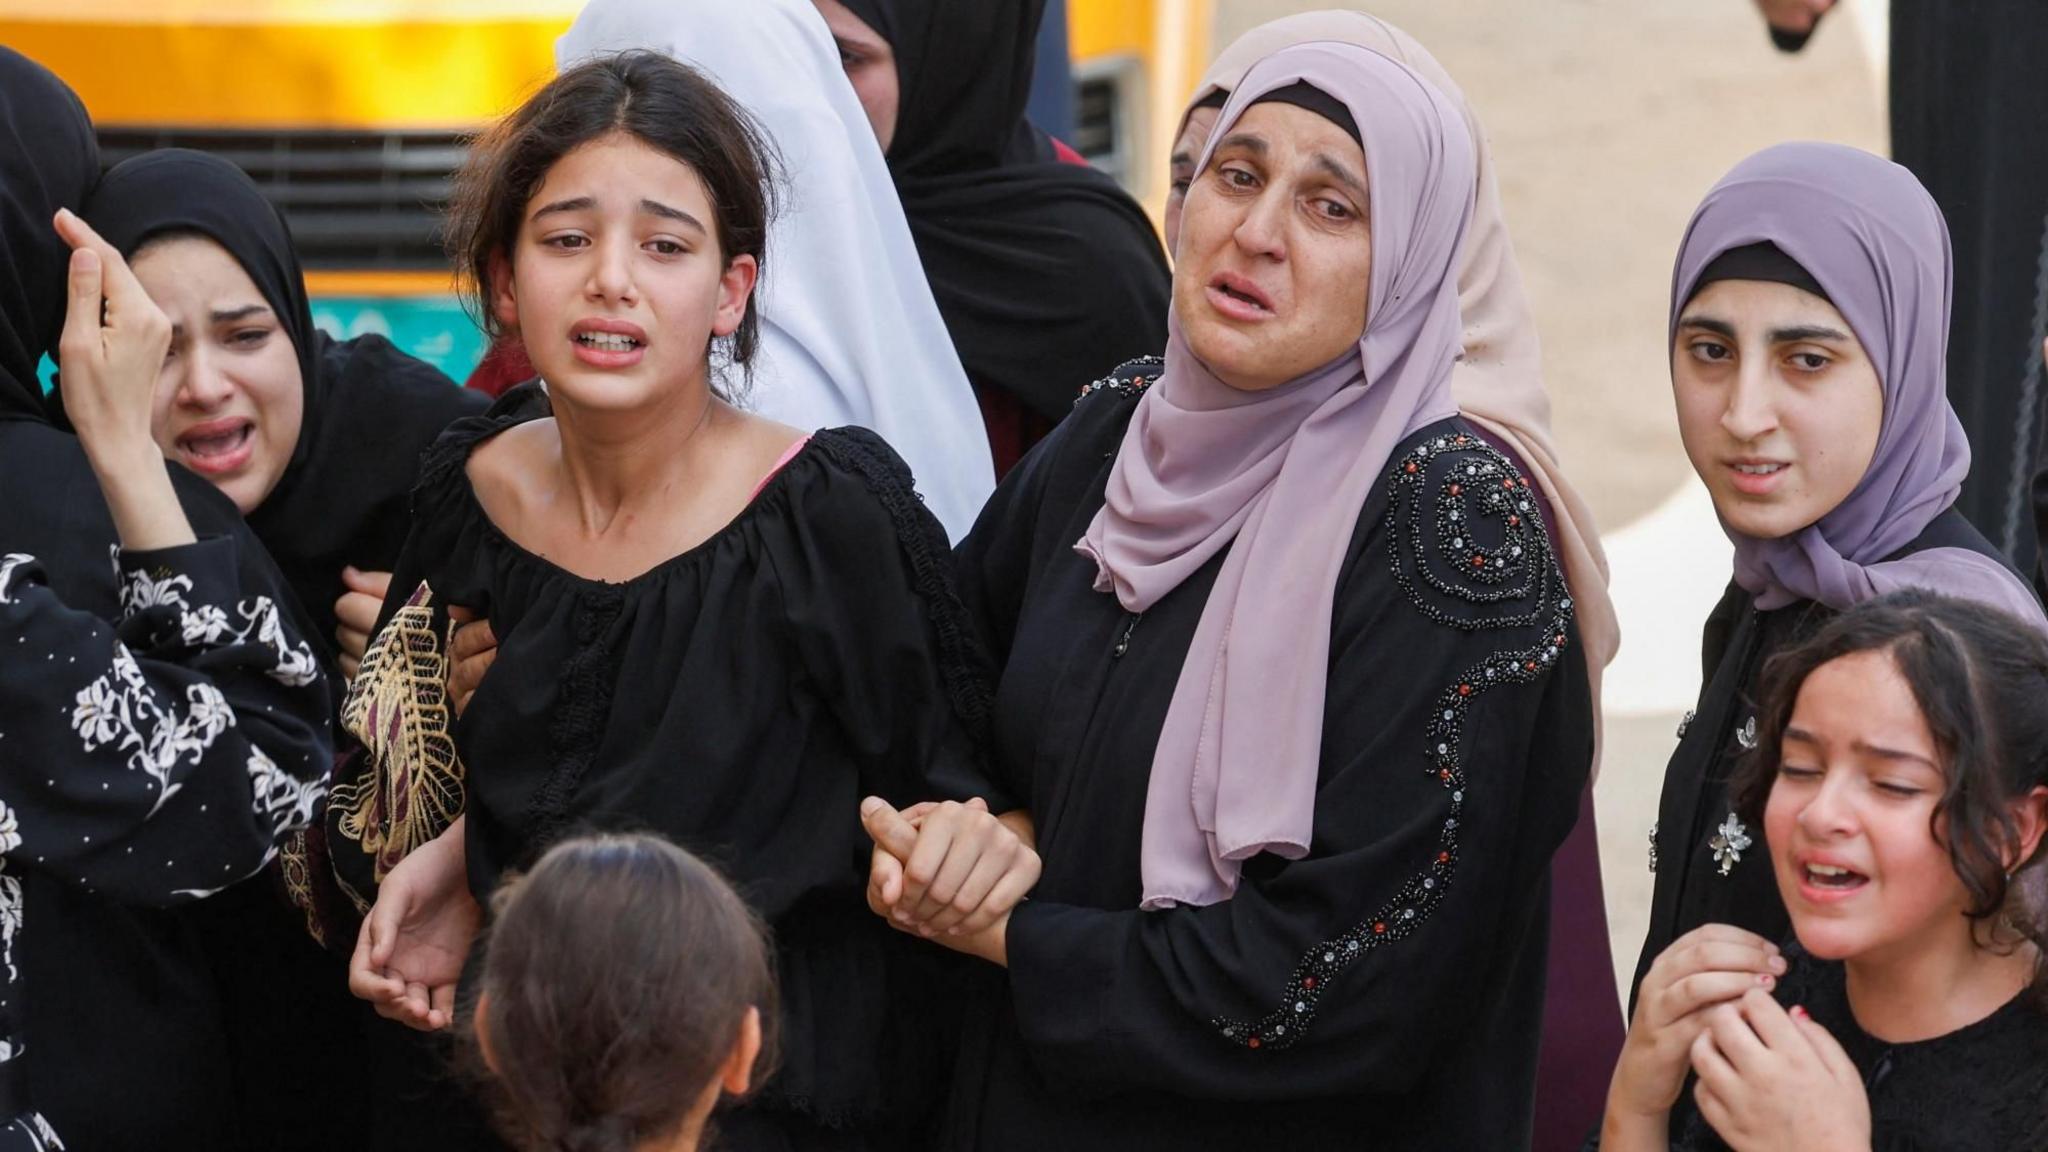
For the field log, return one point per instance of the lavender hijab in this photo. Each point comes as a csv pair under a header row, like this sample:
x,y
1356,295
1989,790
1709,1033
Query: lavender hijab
x,y
1278,478
1873,238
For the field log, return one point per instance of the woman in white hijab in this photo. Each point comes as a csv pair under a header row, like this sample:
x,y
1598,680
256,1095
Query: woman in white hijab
x,y
850,333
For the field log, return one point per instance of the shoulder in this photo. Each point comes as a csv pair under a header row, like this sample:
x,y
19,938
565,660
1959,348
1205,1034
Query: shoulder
x,y
1952,529
1468,547
1127,381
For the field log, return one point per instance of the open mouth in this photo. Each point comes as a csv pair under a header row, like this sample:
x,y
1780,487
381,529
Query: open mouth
x,y
1830,878
217,442
607,341
1237,290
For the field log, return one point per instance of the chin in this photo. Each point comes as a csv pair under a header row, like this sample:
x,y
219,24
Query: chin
x,y
1759,521
1236,359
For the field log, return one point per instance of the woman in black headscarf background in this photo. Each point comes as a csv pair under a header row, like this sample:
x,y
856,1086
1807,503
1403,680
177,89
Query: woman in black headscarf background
x,y
163,722
318,442
1046,271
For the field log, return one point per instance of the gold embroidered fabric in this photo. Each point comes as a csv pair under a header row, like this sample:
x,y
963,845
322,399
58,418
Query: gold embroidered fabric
x,y
411,788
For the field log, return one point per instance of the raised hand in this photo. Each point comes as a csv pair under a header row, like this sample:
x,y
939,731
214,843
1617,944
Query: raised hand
x,y
110,354
410,952
1710,966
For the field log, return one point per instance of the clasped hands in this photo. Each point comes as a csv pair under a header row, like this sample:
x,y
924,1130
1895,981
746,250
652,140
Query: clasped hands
x,y
950,872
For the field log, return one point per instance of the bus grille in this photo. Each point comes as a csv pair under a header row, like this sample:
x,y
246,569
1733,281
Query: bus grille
x,y
355,200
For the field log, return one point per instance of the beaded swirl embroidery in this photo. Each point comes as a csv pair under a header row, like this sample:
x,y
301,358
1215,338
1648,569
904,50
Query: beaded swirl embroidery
x,y
1469,480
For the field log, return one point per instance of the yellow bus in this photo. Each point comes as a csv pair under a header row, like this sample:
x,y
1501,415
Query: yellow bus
x,y
352,114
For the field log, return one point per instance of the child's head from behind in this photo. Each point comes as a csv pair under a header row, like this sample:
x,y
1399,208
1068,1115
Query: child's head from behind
x,y
625,988
1901,777
618,222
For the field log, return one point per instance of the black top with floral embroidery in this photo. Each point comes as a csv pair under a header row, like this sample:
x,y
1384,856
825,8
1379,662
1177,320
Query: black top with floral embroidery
x,y
163,723
1386,991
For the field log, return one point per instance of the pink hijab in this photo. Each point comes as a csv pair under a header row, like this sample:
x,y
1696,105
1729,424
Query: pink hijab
x,y
1498,382
1278,479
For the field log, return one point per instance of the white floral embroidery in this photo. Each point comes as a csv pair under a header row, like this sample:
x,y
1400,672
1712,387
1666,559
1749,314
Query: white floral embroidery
x,y
10,830
10,920
209,624
287,800
8,564
122,709
41,1137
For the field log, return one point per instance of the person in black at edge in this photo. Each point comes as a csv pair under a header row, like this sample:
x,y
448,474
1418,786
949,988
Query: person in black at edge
x,y
163,719
322,446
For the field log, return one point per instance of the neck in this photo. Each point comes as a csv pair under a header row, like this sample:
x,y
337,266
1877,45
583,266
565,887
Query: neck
x,y
1935,989
615,460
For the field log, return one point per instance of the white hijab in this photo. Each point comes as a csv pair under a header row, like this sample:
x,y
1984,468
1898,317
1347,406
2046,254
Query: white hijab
x,y
850,333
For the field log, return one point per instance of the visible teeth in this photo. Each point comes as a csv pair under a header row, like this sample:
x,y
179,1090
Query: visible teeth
x,y
1826,870
1758,469
608,341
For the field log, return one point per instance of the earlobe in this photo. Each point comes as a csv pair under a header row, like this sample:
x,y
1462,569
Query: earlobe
x,y
735,287
504,302
2030,820
738,1075
483,1032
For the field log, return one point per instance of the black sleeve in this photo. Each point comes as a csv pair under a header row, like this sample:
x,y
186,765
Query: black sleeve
x,y
161,757
868,594
1456,739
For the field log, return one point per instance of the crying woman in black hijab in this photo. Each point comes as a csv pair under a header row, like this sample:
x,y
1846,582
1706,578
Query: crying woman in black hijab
x,y
316,440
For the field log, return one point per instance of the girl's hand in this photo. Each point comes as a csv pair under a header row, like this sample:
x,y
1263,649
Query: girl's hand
x,y
1709,966
355,614
410,952
110,354
1773,1081
949,869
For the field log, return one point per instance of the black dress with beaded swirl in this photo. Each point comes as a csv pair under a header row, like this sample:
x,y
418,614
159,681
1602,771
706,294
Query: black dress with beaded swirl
x,y
1386,991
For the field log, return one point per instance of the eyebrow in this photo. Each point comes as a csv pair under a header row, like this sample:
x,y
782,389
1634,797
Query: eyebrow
x,y
1329,166
1866,748
243,313
1794,335
651,207
657,208
1256,145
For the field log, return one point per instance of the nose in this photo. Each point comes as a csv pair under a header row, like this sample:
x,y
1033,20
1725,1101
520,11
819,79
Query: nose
x,y
1263,230
1752,411
611,273
1830,813
201,383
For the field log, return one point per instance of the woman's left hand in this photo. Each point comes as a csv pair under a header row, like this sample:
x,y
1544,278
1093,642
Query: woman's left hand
x,y
1775,1081
356,614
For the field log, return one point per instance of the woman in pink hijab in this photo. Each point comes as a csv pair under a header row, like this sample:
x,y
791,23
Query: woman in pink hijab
x,y
1290,682
1498,386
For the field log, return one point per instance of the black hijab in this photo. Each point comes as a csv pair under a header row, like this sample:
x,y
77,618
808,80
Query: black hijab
x,y
48,160
1047,273
370,408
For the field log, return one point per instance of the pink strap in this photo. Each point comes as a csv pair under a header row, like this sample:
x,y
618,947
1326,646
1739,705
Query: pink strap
x,y
788,454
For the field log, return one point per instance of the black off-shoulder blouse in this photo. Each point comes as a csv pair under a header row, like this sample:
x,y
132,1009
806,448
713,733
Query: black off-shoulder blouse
x,y
739,698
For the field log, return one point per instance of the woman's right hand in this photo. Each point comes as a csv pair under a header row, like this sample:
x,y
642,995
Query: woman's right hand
x,y
110,354
410,952
1709,966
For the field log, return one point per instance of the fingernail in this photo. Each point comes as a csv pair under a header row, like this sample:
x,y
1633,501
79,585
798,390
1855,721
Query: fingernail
x,y
868,806
1800,1012
925,931
952,931
902,916
1777,964
1766,979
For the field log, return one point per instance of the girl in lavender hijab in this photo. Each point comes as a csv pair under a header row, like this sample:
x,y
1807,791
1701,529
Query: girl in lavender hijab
x,y
1290,680
1809,315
